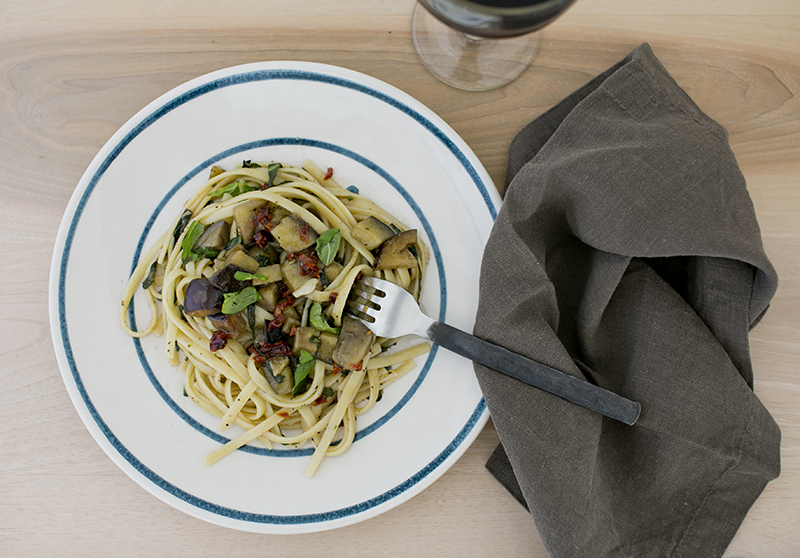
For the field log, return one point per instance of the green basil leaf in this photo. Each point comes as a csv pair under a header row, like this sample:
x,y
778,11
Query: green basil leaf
x,y
244,276
327,391
272,170
233,242
307,362
328,245
151,276
186,216
194,232
238,301
206,252
234,189
318,320
248,164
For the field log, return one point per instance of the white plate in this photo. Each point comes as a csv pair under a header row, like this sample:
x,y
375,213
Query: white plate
x,y
377,139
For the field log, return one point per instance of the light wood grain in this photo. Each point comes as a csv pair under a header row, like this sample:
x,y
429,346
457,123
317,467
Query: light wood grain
x,y
72,72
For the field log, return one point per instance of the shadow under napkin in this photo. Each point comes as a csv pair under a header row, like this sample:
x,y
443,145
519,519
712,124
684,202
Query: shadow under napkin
x,y
627,252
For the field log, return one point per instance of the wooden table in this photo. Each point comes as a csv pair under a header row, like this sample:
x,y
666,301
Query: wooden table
x,y
73,72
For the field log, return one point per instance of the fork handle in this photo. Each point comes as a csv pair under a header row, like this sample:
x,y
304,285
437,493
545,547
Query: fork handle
x,y
534,373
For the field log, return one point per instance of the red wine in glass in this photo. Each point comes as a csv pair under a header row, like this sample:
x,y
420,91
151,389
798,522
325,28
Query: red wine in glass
x,y
480,44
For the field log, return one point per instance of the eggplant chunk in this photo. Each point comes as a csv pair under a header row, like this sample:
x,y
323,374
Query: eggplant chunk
x,y
395,252
232,324
271,272
238,257
318,343
215,237
279,375
355,341
225,279
243,215
269,297
202,299
294,235
371,232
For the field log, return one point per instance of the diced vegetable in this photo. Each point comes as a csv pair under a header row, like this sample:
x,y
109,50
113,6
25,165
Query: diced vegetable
x,y
294,235
290,271
372,232
232,324
243,215
269,297
279,375
395,252
355,341
202,299
267,274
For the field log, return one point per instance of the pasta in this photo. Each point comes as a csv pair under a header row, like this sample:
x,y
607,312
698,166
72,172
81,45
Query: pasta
x,y
248,289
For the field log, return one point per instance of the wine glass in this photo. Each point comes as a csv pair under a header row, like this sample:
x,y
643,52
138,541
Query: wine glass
x,y
479,45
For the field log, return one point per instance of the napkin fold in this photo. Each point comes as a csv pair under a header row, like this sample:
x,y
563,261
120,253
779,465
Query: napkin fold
x,y
627,253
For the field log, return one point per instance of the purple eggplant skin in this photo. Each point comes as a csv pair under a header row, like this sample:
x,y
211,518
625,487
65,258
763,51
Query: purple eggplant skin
x,y
232,324
225,281
202,299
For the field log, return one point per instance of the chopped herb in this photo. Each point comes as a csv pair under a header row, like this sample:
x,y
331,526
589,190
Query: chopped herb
x,y
151,276
206,252
380,396
328,245
262,259
318,320
183,316
244,276
302,371
186,216
248,164
194,232
251,320
327,391
234,189
233,242
272,170
238,301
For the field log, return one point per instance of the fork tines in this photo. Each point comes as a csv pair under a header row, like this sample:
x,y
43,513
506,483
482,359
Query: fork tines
x,y
361,301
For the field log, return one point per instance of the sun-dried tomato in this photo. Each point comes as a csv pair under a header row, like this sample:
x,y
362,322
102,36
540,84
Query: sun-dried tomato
x,y
261,237
337,369
304,232
332,298
329,173
258,358
270,350
279,316
309,264
218,340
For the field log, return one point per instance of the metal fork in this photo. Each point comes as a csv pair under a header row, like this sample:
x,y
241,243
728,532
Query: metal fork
x,y
390,311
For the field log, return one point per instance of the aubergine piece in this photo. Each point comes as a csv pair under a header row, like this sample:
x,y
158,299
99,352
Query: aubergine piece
x,y
395,252
202,299
279,375
318,343
232,324
215,237
294,235
225,279
371,232
243,215
269,297
355,341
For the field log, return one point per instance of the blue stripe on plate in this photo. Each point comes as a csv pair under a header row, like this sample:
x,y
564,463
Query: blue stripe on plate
x,y
236,79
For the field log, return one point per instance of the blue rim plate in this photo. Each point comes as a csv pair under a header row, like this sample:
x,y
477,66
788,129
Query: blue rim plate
x,y
381,143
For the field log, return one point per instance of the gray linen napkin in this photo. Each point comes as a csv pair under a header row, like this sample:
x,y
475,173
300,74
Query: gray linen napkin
x,y
627,253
